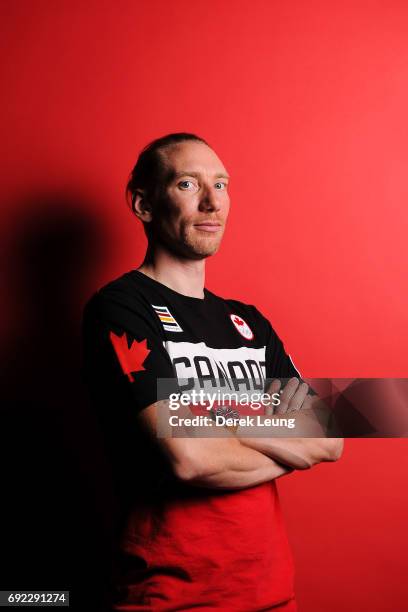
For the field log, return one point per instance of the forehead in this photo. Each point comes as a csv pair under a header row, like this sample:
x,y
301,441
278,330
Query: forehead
x,y
194,156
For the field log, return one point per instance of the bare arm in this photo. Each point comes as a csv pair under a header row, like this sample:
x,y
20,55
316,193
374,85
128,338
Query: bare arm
x,y
213,462
298,453
302,450
225,461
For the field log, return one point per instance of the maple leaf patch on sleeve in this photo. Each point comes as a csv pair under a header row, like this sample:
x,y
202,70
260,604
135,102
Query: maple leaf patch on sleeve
x,y
131,358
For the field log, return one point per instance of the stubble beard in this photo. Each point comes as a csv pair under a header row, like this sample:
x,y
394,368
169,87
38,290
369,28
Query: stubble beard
x,y
189,245
199,245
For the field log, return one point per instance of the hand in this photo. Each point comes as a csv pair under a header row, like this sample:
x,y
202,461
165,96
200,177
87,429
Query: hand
x,y
293,397
311,413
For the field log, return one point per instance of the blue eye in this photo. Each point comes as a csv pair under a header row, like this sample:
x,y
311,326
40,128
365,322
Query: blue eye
x,y
223,186
184,183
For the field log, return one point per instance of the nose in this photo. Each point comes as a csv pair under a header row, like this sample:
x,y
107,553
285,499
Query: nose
x,y
210,200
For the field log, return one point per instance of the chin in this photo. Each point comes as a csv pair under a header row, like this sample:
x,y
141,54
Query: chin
x,y
199,247
202,250
199,253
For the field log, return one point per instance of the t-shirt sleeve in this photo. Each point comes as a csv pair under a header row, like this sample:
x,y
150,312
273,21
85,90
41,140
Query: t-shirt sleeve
x,y
123,351
278,362
281,363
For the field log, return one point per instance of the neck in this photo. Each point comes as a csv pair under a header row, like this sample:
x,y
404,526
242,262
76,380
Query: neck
x,y
186,276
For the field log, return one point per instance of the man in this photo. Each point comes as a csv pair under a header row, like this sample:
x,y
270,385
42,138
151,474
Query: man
x,y
202,527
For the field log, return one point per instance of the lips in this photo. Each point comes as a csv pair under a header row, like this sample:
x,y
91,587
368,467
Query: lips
x,y
208,226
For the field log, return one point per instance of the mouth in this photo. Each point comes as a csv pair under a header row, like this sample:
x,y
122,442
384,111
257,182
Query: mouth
x,y
208,226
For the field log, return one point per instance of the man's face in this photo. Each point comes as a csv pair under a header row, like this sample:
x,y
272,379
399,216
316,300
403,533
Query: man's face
x,y
190,218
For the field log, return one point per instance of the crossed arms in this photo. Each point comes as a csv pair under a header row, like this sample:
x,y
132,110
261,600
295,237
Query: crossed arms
x,y
237,460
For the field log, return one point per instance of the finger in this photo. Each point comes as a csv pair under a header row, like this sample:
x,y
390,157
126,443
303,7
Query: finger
x,y
274,386
308,402
286,395
297,399
272,389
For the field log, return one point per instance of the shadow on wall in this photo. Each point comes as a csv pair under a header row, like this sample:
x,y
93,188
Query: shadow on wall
x,y
57,503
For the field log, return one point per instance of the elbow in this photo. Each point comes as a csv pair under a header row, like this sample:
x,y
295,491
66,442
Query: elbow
x,y
189,470
335,449
185,470
323,449
193,471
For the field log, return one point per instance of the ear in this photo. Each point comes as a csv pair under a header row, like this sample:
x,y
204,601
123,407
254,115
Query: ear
x,y
141,207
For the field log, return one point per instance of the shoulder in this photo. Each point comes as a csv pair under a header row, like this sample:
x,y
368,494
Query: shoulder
x,y
125,289
122,303
232,304
125,286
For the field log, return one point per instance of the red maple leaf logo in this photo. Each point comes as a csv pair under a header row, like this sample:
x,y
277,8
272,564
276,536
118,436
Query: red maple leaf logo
x,y
131,359
238,321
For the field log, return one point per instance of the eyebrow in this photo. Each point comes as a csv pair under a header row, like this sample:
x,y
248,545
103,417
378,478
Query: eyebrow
x,y
197,174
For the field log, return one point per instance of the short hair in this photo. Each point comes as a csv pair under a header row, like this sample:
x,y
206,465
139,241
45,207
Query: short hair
x,y
151,172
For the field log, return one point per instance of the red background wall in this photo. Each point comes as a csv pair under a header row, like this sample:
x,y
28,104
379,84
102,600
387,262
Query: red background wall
x,y
306,104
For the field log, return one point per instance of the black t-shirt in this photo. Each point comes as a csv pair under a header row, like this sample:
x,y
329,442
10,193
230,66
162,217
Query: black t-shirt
x,y
138,330
172,536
